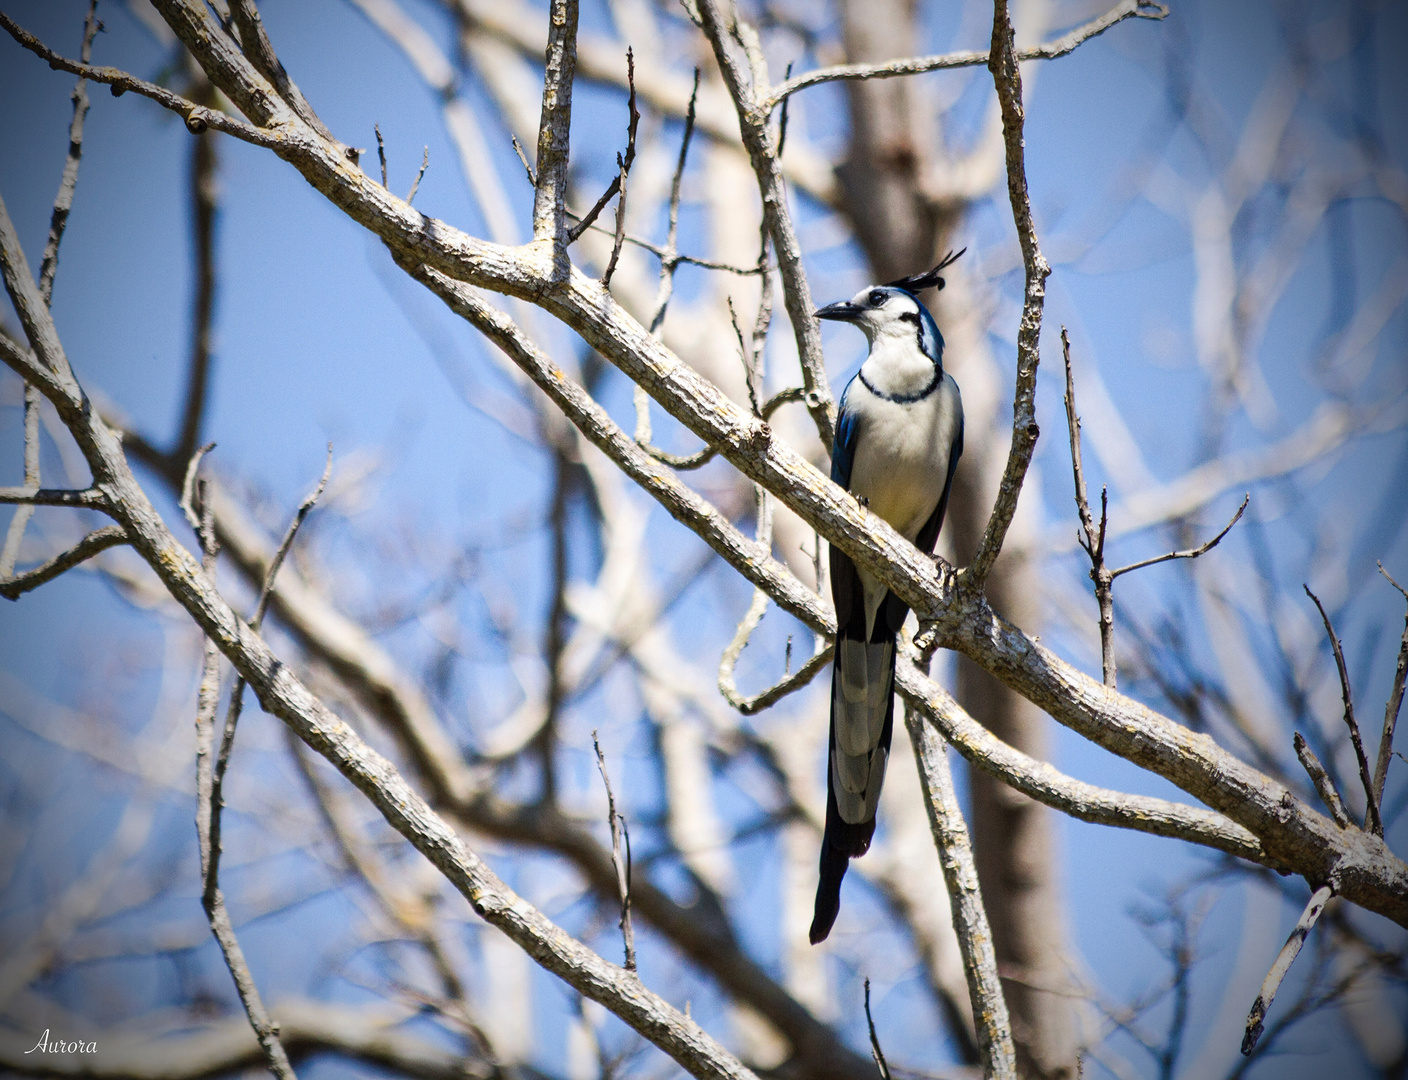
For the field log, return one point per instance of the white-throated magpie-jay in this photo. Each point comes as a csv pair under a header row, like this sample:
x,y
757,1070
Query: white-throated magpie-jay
x,y
899,434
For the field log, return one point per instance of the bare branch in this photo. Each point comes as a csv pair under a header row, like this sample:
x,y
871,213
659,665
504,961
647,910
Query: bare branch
x,y
1139,9
790,684
745,88
188,487
415,184
1371,815
1002,62
1284,959
1395,702
208,806
624,164
198,118
90,545
260,52
63,201
1323,784
554,130
1044,783
1093,542
381,155
1191,553
204,196
875,1051
623,865
970,922
88,499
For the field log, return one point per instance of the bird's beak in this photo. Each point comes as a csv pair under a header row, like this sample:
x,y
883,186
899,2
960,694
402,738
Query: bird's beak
x,y
841,311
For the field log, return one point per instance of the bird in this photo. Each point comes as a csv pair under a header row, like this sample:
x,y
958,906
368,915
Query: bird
x,y
899,435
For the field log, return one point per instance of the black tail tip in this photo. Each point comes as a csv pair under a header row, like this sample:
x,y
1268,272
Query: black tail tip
x,y
828,892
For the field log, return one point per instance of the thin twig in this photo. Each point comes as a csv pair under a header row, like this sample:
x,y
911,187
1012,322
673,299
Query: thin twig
x,y
188,487
623,865
1395,702
1371,815
208,805
875,1051
236,702
58,219
669,261
623,165
528,169
1321,779
415,186
1284,959
63,201
381,154
198,117
782,120
90,545
1141,9
1191,553
1092,542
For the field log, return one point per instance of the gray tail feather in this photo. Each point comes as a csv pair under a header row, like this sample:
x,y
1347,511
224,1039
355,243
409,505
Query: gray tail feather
x,y
841,841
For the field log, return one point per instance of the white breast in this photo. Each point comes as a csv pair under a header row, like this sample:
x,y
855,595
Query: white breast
x,y
901,458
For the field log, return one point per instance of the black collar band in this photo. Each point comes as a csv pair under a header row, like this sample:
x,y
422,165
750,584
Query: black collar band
x,y
905,399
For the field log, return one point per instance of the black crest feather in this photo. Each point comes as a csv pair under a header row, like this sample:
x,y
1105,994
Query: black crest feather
x,y
930,278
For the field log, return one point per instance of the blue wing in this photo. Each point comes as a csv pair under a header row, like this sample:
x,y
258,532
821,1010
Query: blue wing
x,y
843,450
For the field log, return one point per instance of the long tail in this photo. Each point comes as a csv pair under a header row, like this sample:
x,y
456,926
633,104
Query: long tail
x,y
862,722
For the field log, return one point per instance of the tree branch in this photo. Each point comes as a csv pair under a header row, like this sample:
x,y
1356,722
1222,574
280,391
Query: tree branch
x,y
1067,43
1002,62
1394,703
208,807
757,139
1372,820
1324,786
283,695
554,130
99,540
1284,959
970,922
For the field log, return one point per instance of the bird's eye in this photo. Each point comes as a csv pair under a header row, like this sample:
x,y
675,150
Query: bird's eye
x,y
877,298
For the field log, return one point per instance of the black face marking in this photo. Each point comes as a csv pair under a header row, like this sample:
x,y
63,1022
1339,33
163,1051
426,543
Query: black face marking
x,y
913,316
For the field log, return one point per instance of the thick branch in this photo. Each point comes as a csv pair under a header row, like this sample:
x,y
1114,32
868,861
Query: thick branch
x,y
1044,783
549,199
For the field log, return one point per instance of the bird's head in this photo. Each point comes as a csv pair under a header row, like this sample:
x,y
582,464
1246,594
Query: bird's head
x,y
894,309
